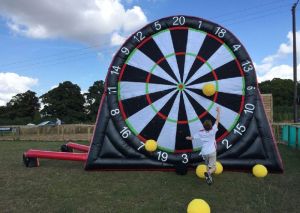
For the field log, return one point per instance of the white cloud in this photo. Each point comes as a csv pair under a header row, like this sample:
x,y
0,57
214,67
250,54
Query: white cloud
x,y
272,66
117,39
131,17
284,49
88,21
282,71
12,84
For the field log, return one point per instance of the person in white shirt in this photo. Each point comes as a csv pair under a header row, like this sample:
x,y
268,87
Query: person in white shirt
x,y
58,121
207,136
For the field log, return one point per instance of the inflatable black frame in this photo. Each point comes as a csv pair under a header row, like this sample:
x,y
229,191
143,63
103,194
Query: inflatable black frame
x,y
249,142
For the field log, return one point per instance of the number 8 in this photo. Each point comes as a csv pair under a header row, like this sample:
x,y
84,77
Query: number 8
x,y
114,112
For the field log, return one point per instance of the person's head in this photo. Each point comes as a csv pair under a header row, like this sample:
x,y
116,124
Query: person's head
x,y
207,125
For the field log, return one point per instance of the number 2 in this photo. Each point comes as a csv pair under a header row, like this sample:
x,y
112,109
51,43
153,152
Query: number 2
x,y
226,143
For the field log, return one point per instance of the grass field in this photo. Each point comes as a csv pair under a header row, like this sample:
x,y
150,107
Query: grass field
x,y
60,186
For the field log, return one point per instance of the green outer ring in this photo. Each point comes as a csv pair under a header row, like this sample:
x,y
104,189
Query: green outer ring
x,y
173,120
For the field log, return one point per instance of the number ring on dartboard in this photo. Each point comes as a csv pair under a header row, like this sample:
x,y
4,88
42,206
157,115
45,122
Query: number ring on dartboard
x,y
155,83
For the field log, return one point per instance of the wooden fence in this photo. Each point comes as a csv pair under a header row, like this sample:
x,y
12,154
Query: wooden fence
x,y
77,132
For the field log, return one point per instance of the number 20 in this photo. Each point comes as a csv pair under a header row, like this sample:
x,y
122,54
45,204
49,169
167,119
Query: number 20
x,y
178,20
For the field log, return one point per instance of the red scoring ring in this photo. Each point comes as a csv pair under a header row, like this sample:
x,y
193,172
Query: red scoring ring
x,y
199,58
164,116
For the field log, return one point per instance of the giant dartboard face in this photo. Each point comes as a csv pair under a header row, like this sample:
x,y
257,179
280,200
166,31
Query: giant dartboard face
x,y
155,87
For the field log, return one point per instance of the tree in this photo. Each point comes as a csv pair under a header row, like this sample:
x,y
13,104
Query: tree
x,y
93,98
4,119
282,91
21,109
64,102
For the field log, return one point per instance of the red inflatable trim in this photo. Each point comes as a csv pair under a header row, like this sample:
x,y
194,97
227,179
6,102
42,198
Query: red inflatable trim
x,y
77,146
56,155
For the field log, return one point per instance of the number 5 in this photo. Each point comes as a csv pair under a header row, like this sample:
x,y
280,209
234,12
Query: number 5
x,y
157,25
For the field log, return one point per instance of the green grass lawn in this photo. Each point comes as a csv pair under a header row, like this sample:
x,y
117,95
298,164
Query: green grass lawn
x,y
61,186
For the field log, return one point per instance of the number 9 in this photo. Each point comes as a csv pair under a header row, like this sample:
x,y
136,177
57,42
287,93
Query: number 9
x,y
125,50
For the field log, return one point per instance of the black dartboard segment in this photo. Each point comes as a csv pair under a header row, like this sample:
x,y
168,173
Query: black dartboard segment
x,y
154,87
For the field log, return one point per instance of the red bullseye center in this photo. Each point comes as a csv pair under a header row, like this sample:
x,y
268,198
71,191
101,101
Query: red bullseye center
x,y
181,87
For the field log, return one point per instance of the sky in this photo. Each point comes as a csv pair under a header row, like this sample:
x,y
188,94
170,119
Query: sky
x,y
45,42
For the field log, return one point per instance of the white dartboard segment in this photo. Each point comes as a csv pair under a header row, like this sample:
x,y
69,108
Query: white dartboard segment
x,y
160,89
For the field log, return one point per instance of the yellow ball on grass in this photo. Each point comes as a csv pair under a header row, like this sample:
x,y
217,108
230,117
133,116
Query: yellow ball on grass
x,y
198,206
209,89
151,145
200,170
219,168
259,171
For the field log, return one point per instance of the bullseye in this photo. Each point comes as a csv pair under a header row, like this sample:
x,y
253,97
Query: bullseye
x,y
180,87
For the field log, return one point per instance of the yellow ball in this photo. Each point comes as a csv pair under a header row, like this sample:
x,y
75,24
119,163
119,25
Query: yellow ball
x,y
151,145
209,89
219,168
200,170
198,206
259,171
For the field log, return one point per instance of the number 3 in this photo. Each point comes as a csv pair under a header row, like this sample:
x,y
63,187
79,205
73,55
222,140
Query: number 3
x,y
185,158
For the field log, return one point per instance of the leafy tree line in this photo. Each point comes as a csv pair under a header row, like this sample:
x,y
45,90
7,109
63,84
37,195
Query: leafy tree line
x,y
65,102
282,91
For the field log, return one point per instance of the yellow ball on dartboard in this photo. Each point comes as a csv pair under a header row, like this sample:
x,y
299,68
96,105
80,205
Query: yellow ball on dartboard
x,y
209,89
151,145
200,170
219,168
198,206
259,171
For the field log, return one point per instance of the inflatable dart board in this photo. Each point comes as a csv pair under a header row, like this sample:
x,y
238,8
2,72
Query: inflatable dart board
x,y
154,90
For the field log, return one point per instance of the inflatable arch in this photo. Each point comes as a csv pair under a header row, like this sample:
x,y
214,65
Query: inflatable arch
x,y
154,91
